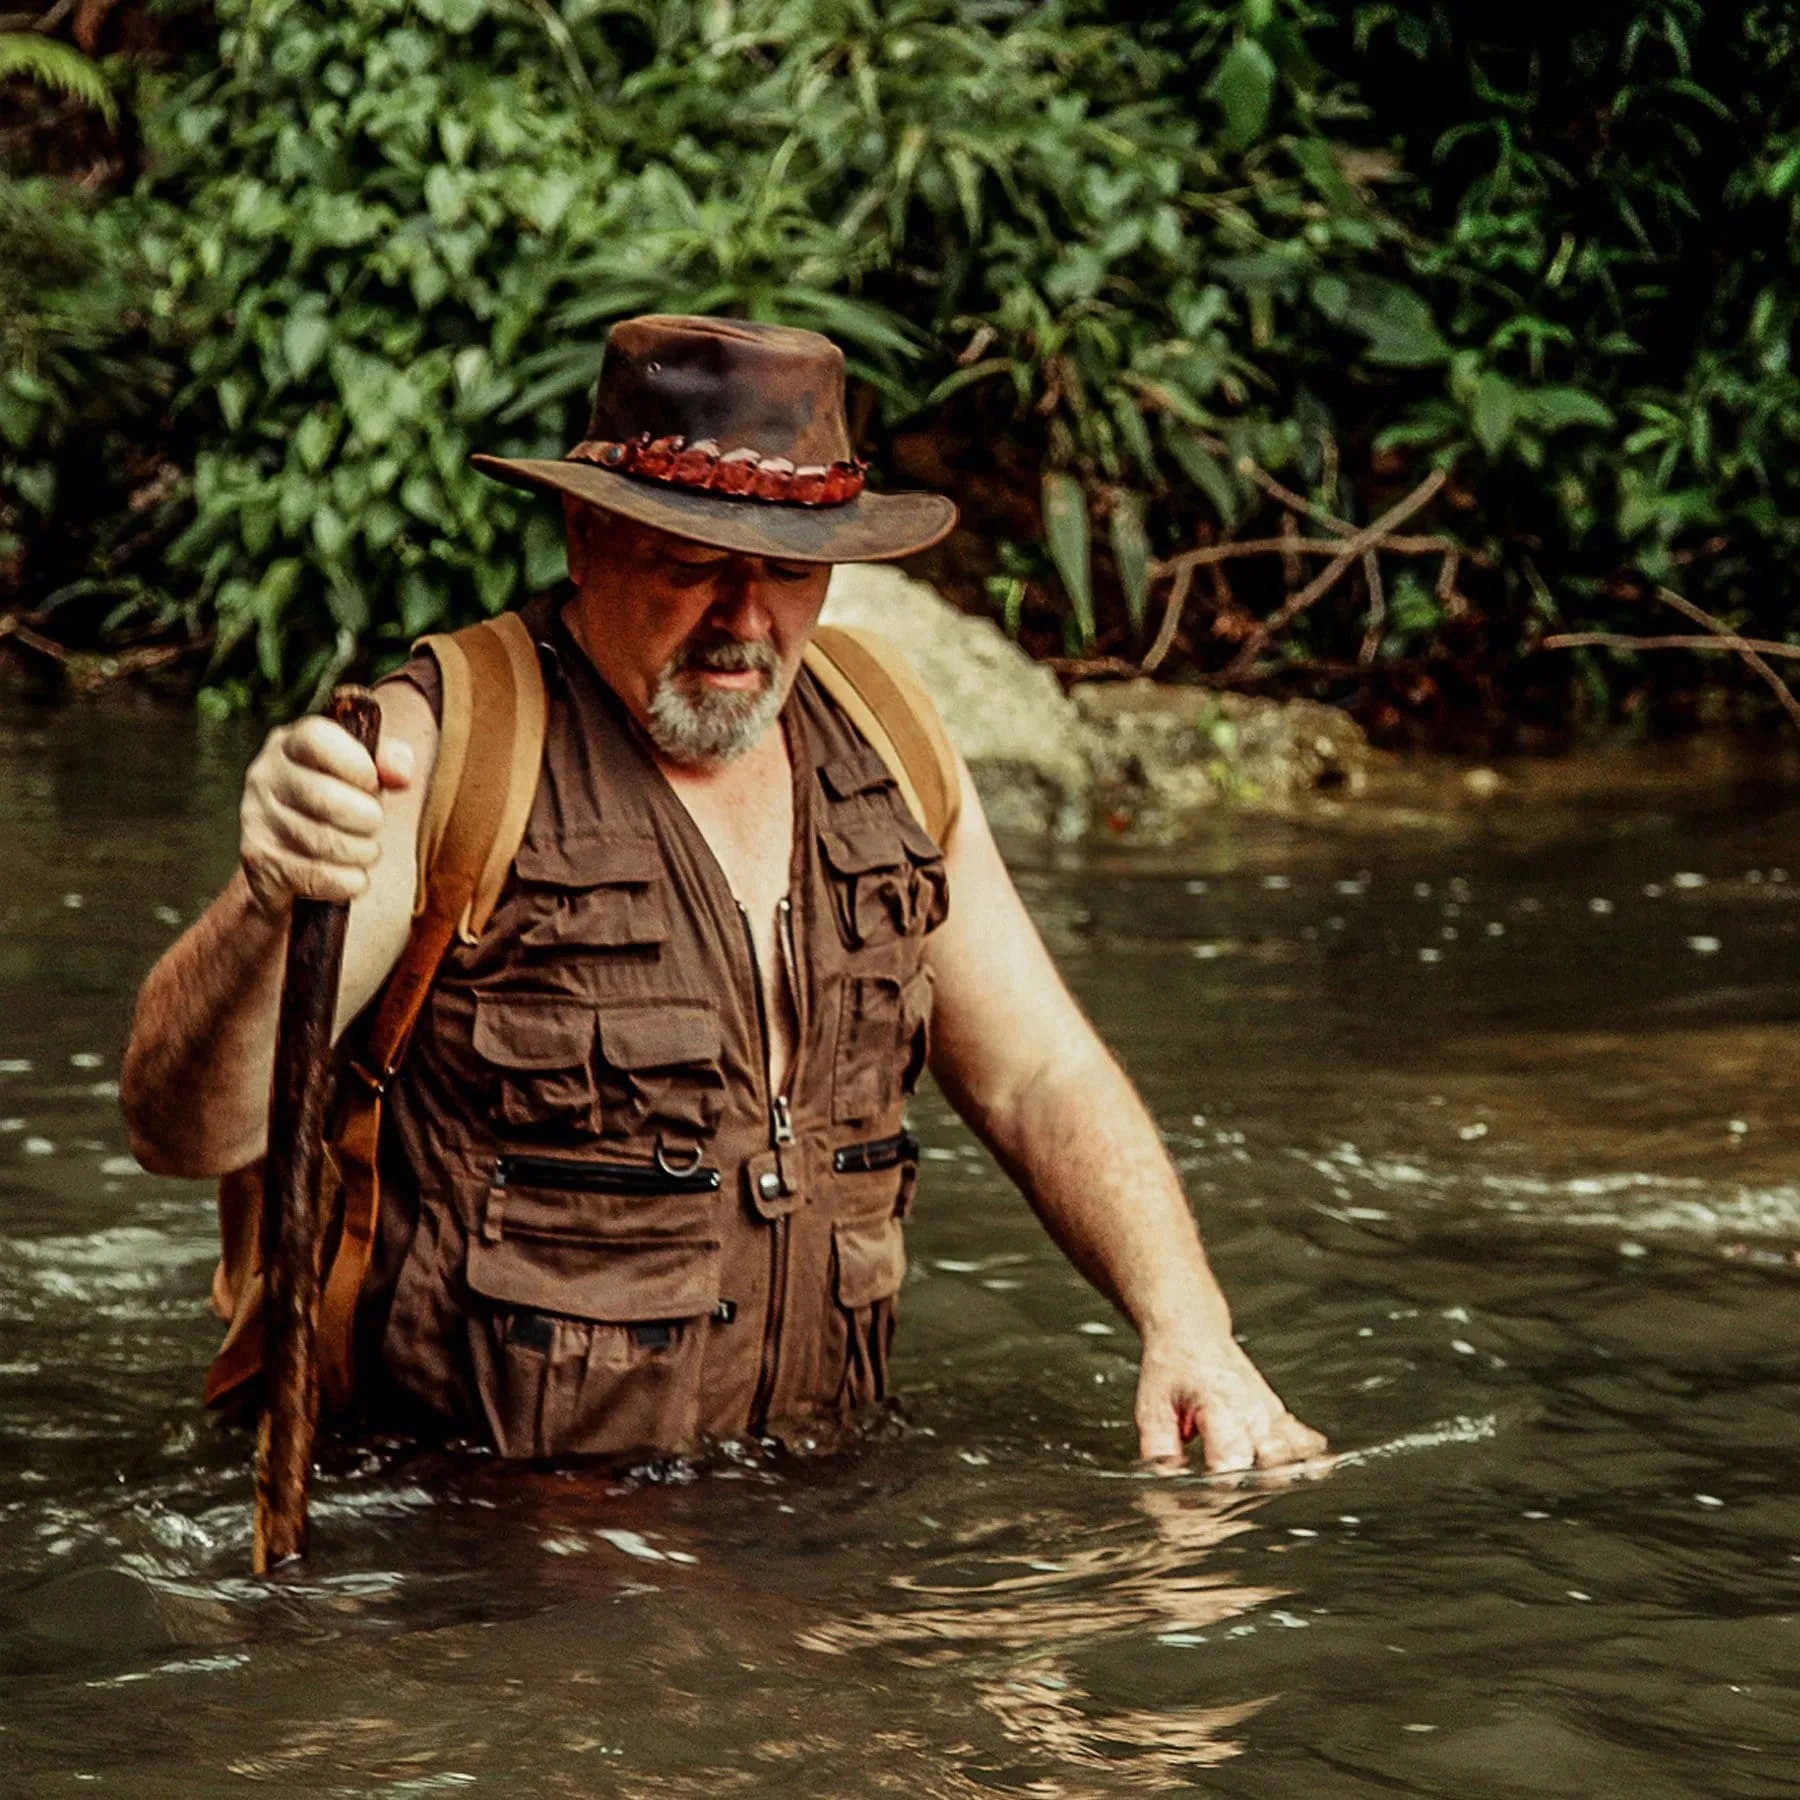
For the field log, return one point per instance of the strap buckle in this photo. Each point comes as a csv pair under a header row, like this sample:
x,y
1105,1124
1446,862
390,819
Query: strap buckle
x,y
376,1084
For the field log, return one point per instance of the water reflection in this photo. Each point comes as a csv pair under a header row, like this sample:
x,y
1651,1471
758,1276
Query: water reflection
x,y
975,1612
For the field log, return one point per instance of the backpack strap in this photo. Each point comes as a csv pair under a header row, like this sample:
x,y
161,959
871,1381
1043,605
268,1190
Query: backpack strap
x,y
867,676
490,750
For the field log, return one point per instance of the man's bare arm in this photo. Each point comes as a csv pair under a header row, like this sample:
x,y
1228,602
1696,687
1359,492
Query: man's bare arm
x,y
1021,1063
319,819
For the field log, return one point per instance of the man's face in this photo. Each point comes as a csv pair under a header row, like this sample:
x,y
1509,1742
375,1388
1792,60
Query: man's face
x,y
701,644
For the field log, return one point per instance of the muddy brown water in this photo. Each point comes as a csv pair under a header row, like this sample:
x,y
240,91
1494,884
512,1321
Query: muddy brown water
x,y
1492,1127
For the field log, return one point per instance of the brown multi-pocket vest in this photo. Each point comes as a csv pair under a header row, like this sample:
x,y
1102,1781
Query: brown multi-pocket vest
x,y
599,1231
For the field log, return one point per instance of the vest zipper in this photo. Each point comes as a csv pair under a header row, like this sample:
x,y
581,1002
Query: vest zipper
x,y
781,1135
601,1177
879,1153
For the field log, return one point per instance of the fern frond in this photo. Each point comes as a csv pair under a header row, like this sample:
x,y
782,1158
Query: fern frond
x,y
53,64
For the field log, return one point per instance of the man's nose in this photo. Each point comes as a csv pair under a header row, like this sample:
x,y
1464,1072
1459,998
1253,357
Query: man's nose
x,y
741,607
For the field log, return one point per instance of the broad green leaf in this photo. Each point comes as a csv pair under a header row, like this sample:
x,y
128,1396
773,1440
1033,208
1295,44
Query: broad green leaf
x,y
424,603
1245,89
35,484
329,531
457,16
304,339
314,438
495,577
1494,413
1131,553
1553,408
1397,323
1319,164
1066,530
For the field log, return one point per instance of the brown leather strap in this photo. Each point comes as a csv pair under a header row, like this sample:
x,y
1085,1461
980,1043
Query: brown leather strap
x,y
356,1144
887,703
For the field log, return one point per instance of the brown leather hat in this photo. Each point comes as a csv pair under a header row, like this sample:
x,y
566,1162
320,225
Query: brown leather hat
x,y
731,434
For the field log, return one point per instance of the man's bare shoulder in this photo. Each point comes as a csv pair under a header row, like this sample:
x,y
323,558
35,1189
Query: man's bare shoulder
x,y
381,920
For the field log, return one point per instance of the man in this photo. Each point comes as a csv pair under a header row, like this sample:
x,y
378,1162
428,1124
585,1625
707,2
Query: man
x,y
645,1162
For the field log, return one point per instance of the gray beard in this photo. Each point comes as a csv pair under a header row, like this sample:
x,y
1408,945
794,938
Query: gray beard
x,y
696,728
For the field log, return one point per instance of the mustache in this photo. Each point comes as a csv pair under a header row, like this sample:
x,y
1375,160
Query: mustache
x,y
718,651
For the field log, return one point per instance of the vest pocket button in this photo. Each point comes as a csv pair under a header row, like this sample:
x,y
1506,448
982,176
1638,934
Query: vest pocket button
x,y
769,1184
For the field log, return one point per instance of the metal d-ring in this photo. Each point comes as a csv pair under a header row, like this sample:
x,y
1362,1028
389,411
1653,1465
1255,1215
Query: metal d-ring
x,y
676,1169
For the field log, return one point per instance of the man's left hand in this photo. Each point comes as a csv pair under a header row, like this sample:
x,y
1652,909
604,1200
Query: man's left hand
x,y
1213,1392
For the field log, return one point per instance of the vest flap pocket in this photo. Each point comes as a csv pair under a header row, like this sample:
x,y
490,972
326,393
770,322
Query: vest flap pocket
x,y
856,846
871,1260
515,1031
600,918
623,1281
857,773
660,1037
594,860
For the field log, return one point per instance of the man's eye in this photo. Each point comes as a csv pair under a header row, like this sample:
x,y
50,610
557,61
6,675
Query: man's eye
x,y
691,574
790,571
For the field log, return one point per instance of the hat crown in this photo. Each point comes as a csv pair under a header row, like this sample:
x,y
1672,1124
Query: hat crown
x,y
769,388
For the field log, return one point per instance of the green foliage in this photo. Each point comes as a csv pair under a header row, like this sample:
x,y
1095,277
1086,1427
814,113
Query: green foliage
x,y
1606,210
401,234
1067,239
81,375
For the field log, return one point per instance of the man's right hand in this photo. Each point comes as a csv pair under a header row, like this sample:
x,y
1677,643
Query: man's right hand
x,y
310,822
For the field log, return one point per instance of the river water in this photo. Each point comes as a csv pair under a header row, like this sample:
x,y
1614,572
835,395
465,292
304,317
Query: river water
x,y
1491,1125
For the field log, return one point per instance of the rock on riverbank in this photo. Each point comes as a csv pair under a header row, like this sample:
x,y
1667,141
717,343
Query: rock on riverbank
x,y
1143,755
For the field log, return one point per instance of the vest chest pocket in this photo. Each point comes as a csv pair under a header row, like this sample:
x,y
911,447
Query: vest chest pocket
x,y
885,875
660,1069
882,1042
602,892
539,1057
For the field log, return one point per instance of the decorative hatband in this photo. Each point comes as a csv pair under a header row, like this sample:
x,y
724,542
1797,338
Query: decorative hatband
x,y
740,474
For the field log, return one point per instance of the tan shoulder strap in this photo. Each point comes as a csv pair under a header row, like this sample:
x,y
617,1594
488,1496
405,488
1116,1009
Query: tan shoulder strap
x,y
869,678
476,816
494,703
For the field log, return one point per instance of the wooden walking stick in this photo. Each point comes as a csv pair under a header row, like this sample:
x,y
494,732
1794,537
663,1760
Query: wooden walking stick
x,y
298,1098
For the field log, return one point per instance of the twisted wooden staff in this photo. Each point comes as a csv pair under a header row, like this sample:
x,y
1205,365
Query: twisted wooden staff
x,y
298,1099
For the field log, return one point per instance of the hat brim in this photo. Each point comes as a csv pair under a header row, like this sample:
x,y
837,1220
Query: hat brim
x,y
870,528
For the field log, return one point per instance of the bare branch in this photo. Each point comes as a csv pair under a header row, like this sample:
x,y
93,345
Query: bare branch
x,y
1281,546
1754,651
1619,640
1353,548
1171,619
1292,574
1377,609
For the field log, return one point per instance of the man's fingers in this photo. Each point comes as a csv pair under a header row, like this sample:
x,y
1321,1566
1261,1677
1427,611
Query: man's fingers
x,y
1291,1441
315,794
315,840
312,816
1159,1433
1225,1439
318,743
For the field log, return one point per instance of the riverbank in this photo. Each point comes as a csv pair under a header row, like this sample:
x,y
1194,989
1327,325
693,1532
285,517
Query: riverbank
x,y
1153,763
